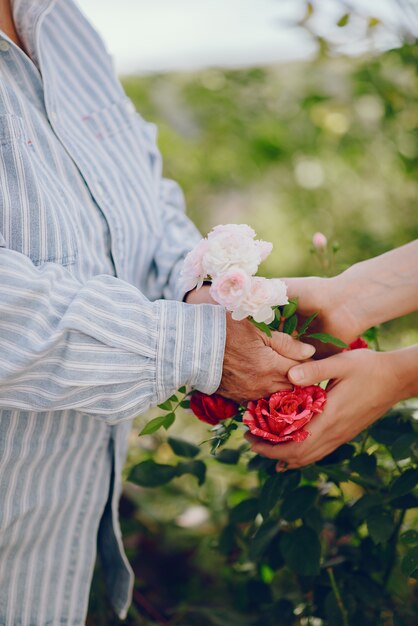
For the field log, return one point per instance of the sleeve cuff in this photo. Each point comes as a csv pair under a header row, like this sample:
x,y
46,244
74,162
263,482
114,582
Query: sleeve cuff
x,y
190,347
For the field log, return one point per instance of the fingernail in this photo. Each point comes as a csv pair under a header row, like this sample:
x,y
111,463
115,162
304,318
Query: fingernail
x,y
297,374
307,350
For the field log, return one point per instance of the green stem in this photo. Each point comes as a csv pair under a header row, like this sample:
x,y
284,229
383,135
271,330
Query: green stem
x,y
363,443
338,597
393,545
188,393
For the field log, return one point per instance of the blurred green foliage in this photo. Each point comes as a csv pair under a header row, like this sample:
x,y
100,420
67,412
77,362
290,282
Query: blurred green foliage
x,y
326,145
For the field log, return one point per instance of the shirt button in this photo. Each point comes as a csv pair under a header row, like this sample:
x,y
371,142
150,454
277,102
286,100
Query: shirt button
x,y
4,45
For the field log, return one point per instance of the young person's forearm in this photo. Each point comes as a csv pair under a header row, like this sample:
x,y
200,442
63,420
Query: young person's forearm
x,y
405,366
382,288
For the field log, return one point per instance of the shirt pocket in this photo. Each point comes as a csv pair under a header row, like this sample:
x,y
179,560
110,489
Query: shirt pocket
x,y
121,147
35,217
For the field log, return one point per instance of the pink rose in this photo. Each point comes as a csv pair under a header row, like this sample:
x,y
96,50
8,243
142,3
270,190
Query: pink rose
x,y
233,245
240,230
319,241
264,247
283,416
193,274
264,294
230,288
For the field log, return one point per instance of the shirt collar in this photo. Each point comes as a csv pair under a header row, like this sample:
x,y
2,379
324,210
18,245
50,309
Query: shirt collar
x,y
27,15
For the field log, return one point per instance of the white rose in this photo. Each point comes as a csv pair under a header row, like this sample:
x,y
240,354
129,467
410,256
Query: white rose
x,y
263,295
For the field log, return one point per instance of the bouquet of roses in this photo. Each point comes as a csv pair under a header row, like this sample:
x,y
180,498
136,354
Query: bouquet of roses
x,y
228,259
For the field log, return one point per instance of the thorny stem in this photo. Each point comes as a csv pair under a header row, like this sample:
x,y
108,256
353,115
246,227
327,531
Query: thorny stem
x,y
338,597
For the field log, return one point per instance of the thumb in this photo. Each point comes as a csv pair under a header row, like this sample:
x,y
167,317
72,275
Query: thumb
x,y
288,346
317,371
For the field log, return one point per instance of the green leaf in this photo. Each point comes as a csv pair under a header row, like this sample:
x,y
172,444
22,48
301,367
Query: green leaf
x,y
270,493
298,502
174,398
364,504
342,453
364,464
185,404
405,502
409,537
290,324
327,338
151,474
170,417
290,308
229,456
410,562
227,539
306,324
343,21
183,448
380,524
402,447
404,483
196,468
313,519
165,406
261,326
245,511
302,551
389,428
183,389
291,480
158,422
261,540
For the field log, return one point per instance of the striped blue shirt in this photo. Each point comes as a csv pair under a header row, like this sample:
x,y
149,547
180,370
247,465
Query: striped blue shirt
x,y
93,330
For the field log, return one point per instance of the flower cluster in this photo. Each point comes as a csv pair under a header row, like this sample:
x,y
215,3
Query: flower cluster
x,y
229,258
279,418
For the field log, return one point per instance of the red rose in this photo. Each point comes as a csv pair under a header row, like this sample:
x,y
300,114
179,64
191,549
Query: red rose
x,y
357,344
212,409
283,416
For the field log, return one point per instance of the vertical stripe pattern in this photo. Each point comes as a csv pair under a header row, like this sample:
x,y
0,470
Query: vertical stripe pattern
x,y
92,327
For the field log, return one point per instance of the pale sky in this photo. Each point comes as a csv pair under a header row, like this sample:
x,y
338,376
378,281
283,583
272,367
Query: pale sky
x,y
154,35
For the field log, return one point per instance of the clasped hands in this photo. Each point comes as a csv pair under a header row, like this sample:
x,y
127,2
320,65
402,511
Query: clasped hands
x,y
363,384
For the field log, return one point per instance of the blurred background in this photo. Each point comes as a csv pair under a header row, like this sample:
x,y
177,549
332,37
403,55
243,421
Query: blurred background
x,y
293,117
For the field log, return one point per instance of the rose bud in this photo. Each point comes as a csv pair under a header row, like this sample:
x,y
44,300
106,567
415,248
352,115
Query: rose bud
x,y
357,344
319,241
212,409
282,417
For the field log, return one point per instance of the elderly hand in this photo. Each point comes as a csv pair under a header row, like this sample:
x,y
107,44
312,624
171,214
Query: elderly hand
x,y
255,365
364,385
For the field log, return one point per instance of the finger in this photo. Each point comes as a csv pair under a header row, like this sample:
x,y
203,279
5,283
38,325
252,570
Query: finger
x,y
317,371
282,365
288,346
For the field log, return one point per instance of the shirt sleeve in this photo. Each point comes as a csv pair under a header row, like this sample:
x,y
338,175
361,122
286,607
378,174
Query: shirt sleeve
x,y
178,235
99,347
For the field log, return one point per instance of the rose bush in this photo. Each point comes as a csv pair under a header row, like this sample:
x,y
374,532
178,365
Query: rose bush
x,y
283,416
